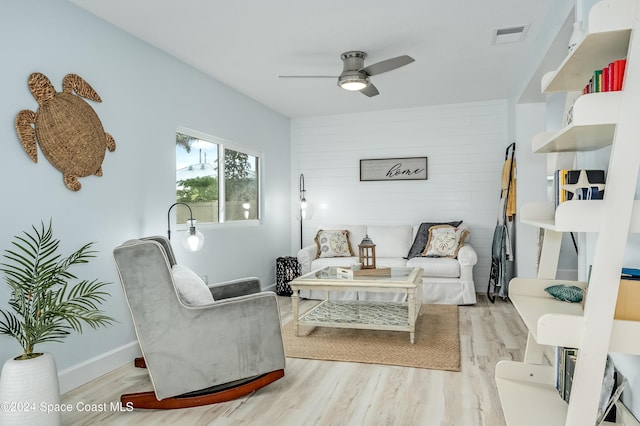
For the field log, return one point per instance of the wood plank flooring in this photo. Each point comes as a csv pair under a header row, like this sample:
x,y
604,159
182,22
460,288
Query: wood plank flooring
x,y
343,394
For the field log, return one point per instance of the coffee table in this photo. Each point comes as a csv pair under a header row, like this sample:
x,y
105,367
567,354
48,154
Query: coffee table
x,y
372,315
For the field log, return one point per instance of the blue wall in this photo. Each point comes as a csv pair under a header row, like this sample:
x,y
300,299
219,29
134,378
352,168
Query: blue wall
x,y
146,95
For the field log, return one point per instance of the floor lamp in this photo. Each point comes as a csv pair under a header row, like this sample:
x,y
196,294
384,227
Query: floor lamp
x,y
305,208
193,239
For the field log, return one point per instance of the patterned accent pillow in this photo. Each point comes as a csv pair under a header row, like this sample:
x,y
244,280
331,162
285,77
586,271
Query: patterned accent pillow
x,y
445,240
422,236
566,293
333,243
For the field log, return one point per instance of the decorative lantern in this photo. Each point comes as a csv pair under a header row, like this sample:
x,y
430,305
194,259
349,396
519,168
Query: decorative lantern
x,y
367,253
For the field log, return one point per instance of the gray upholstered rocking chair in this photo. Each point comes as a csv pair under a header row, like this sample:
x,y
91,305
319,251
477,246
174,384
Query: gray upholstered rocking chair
x,y
197,352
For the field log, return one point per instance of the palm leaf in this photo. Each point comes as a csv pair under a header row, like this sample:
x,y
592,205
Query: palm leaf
x,y
46,307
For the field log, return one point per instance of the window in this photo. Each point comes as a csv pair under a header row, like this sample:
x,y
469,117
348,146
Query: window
x,y
240,185
207,167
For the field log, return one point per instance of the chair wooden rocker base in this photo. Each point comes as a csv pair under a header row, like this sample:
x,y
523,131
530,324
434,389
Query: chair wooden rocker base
x,y
212,395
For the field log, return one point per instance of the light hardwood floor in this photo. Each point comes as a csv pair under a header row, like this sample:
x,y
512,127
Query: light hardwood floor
x,y
337,393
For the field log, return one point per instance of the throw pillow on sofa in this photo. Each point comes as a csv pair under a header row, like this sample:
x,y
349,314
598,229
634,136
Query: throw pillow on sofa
x,y
445,240
422,237
333,243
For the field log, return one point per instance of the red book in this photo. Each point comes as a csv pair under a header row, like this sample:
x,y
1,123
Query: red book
x,y
605,80
622,66
611,74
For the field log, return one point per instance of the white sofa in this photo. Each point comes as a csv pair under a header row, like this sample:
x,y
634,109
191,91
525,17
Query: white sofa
x,y
445,280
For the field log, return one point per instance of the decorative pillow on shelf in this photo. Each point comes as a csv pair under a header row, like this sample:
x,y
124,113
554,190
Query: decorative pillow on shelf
x,y
566,293
422,237
333,243
192,289
445,240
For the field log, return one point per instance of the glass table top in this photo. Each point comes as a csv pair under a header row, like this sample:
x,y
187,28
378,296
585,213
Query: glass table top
x,y
396,274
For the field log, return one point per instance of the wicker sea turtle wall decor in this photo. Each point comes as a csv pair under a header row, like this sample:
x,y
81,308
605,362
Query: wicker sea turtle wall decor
x,y
67,129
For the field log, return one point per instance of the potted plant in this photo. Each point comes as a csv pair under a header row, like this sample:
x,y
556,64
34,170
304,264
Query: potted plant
x,y
44,306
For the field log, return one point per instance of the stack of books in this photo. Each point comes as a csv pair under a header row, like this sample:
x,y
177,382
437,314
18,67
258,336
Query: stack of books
x,y
565,367
608,79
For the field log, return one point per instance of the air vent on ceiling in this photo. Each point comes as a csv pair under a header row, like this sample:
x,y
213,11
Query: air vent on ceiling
x,y
510,34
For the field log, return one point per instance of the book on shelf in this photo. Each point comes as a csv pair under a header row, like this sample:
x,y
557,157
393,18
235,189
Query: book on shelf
x,y
607,79
571,356
619,69
578,185
565,366
630,274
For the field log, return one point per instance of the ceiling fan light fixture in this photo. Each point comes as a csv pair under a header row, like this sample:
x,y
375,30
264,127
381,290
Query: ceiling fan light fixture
x,y
355,76
353,82
353,85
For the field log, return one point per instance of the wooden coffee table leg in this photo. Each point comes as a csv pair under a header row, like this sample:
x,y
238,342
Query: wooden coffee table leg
x,y
411,300
295,299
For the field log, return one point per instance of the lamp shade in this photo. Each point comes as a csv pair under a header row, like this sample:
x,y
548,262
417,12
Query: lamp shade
x,y
193,241
303,210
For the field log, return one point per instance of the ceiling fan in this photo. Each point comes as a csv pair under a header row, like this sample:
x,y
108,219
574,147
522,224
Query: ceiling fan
x,y
355,76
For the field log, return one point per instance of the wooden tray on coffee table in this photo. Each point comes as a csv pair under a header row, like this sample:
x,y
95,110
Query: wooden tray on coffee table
x,y
377,272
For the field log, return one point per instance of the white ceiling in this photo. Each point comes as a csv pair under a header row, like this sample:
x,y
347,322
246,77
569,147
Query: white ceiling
x,y
246,44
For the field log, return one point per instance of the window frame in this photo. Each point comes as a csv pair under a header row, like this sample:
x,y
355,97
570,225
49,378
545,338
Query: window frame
x,y
223,144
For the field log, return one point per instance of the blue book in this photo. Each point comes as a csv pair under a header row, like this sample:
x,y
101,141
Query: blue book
x,y
631,273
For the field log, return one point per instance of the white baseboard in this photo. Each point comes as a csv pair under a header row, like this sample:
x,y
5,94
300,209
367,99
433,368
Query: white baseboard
x,y
77,375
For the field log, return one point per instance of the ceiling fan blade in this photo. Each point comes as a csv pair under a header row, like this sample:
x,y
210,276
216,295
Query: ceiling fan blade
x,y
370,90
388,65
307,76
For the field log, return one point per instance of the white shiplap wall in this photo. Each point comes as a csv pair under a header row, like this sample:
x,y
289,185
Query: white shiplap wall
x,y
464,143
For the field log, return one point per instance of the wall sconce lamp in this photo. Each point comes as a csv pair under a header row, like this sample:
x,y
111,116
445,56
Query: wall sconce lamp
x,y
193,240
306,208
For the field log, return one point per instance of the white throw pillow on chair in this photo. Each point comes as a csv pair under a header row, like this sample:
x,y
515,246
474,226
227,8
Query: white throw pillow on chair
x,y
192,289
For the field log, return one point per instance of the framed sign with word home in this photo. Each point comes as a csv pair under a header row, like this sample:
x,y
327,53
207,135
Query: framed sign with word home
x,y
410,168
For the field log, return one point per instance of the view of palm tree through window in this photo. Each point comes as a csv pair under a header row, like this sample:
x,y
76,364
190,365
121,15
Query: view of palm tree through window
x,y
199,182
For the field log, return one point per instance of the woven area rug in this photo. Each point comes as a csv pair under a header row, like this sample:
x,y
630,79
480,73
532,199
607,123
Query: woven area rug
x,y
437,342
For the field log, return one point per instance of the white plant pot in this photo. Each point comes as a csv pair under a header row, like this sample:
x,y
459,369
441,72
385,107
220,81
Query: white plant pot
x,y
29,392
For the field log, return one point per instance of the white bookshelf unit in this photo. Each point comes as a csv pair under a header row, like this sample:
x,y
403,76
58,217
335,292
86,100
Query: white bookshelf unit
x,y
527,389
